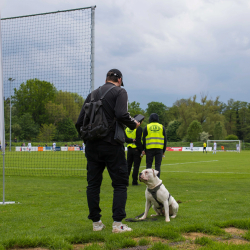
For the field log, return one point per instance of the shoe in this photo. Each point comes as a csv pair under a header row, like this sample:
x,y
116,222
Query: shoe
x,y
98,226
118,227
136,184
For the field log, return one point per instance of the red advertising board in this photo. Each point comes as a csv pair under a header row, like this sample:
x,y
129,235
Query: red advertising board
x,y
174,149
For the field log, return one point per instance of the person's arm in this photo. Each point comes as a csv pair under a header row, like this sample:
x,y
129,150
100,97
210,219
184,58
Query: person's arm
x,y
79,122
165,140
128,140
121,110
138,139
145,133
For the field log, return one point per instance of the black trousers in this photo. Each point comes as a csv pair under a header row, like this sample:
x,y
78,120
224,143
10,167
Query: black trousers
x,y
99,155
151,154
133,156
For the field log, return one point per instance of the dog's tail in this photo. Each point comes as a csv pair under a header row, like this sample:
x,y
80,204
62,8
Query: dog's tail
x,y
138,216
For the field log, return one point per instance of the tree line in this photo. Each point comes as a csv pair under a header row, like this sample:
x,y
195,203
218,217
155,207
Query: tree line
x,y
189,120
42,113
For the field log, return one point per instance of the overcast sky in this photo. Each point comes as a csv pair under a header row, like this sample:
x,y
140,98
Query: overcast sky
x,y
166,50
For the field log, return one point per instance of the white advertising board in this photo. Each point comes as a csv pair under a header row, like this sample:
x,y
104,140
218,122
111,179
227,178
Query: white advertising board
x,y
196,149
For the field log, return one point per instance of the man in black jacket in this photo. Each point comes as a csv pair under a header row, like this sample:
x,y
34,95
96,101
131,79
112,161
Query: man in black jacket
x,y
134,151
154,142
108,152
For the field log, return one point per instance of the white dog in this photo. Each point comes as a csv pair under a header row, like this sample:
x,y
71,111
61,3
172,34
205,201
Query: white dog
x,y
158,196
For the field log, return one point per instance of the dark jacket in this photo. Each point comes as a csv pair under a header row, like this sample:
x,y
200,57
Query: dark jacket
x,y
115,104
154,118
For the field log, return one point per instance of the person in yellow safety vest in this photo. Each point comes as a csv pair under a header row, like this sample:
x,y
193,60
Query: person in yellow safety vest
x,y
204,147
134,151
154,142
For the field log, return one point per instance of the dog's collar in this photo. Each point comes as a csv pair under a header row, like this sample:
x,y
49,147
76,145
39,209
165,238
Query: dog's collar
x,y
153,192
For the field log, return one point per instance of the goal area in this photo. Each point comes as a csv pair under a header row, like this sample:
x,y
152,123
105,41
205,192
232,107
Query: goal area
x,y
225,145
48,71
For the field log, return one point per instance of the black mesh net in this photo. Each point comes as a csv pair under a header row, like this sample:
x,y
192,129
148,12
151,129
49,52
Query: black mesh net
x,y
47,64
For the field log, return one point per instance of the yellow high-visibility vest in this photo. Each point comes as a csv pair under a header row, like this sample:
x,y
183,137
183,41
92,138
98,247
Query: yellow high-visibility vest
x,y
155,137
132,135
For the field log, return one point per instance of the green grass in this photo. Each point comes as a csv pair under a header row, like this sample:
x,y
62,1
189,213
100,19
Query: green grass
x,y
52,211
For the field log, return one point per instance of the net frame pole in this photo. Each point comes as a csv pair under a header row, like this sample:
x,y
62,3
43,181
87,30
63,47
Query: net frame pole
x,y
2,118
92,47
2,112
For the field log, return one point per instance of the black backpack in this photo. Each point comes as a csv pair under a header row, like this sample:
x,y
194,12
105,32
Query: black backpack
x,y
95,125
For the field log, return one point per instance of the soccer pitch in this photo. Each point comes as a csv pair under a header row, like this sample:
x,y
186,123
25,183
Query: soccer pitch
x,y
213,189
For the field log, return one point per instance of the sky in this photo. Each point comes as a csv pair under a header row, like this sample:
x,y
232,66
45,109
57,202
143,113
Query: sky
x,y
166,50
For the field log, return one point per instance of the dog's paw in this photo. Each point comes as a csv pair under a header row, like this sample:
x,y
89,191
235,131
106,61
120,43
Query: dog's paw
x,y
142,218
167,220
152,215
173,216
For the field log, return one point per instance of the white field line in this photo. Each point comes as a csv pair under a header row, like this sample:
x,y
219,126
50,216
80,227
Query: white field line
x,y
181,163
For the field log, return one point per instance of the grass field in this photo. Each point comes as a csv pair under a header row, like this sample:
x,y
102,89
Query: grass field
x,y
52,212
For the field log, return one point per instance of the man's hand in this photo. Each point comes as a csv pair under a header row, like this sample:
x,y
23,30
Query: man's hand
x,y
137,124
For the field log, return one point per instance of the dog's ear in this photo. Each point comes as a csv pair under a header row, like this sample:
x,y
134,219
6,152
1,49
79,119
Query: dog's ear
x,y
153,172
156,172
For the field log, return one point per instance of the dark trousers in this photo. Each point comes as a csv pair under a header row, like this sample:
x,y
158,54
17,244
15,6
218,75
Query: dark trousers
x,y
133,156
100,154
150,155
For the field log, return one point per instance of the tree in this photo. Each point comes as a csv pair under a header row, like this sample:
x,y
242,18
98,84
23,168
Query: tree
x,y
70,103
55,112
208,112
47,133
66,130
218,131
194,130
29,129
204,136
32,97
230,117
79,100
135,109
231,137
160,109
171,131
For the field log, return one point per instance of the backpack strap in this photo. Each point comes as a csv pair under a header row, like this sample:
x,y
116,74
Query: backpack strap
x,y
102,96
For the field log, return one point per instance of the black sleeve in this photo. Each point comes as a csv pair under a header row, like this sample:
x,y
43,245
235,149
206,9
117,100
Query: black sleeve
x,y
79,122
121,110
128,140
138,142
145,133
165,139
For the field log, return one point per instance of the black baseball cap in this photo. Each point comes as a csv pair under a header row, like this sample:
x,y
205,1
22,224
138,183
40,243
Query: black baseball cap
x,y
115,72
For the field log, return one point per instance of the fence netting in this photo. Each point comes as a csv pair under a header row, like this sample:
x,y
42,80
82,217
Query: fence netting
x,y
47,73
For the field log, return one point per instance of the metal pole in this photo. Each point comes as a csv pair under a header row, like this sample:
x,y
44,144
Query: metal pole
x,y
3,178
11,80
92,47
2,136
